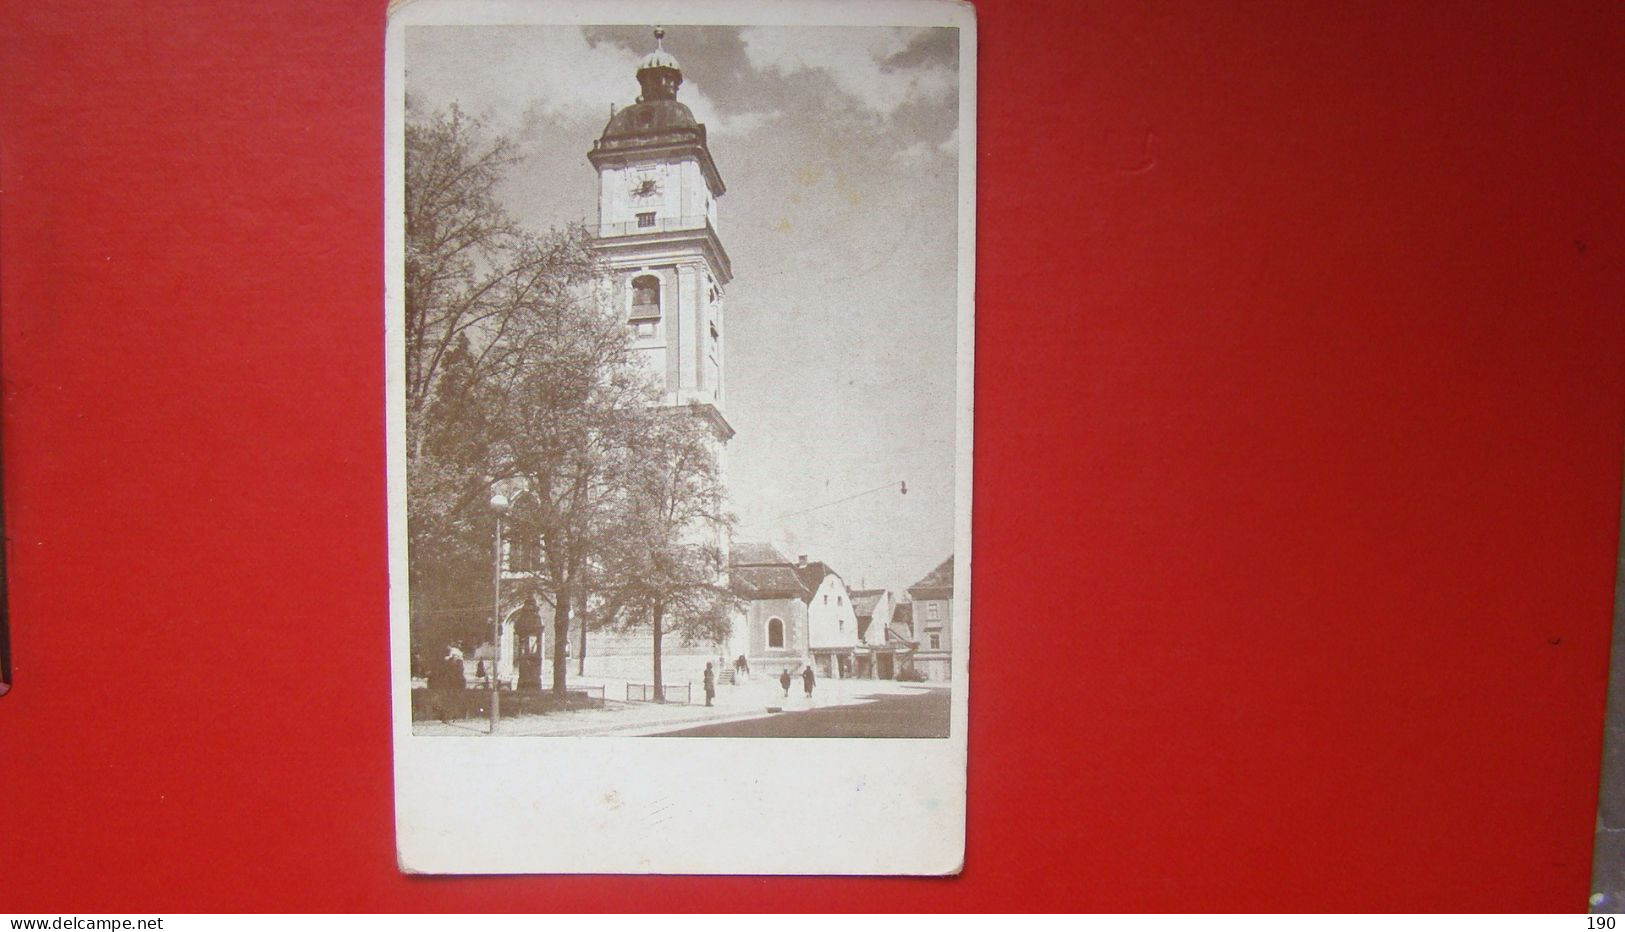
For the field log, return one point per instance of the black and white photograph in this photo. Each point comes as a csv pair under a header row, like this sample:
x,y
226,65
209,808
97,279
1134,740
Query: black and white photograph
x,y
682,332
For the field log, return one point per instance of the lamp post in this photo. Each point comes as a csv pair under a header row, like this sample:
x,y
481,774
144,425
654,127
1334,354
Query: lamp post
x,y
499,507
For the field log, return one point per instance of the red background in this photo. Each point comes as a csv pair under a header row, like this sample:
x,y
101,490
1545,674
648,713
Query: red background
x,y
1299,411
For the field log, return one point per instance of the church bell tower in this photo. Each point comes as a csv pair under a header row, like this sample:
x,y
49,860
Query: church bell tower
x,y
657,229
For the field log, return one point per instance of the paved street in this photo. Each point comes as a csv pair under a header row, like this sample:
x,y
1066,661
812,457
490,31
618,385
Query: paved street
x,y
870,708
917,715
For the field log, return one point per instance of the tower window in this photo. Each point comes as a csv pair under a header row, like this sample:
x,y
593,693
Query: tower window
x,y
645,298
646,219
775,632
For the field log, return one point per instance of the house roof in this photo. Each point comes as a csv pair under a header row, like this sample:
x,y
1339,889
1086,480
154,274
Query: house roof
x,y
763,572
865,600
812,575
939,582
898,629
903,614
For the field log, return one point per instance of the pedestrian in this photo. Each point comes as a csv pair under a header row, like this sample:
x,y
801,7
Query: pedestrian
x,y
807,680
710,684
784,680
444,676
451,669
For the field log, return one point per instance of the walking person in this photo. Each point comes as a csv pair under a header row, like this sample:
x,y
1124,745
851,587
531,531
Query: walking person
x,y
451,669
447,674
710,684
784,680
807,680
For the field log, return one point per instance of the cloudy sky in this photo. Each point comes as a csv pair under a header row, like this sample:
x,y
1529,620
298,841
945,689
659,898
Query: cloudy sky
x,y
839,148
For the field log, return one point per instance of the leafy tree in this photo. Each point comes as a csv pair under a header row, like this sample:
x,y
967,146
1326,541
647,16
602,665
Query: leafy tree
x,y
449,547
476,287
666,563
457,238
576,401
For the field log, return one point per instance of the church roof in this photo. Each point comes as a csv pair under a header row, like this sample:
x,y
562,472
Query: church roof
x,y
760,571
653,118
659,58
767,582
657,125
749,553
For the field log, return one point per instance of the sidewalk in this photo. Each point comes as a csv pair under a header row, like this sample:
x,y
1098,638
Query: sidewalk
x,y
756,698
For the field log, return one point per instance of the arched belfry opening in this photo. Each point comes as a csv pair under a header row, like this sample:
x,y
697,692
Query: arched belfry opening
x,y
645,297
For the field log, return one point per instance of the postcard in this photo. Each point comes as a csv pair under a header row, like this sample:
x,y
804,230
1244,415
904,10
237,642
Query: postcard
x,y
679,335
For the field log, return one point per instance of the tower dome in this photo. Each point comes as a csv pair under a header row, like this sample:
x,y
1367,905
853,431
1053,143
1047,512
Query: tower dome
x,y
658,125
659,74
659,58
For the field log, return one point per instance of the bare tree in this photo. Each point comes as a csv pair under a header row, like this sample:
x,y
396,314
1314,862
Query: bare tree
x,y
457,237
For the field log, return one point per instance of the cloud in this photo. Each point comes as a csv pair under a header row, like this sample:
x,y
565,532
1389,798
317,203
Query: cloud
x,y
554,72
915,155
737,124
922,154
881,69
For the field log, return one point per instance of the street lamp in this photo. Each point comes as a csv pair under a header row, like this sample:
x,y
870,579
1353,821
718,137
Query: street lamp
x,y
499,507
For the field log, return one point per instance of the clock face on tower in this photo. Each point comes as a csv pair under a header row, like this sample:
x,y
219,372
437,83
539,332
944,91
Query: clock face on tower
x,y
645,187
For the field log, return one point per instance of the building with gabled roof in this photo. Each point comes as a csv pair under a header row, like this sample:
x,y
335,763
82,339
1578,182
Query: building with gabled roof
x,y
901,627
874,608
932,611
800,612
832,626
866,604
938,583
770,632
